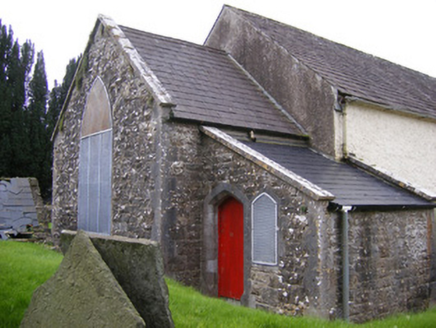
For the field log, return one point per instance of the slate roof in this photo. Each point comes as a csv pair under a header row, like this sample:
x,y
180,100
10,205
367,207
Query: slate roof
x,y
351,71
350,186
207,86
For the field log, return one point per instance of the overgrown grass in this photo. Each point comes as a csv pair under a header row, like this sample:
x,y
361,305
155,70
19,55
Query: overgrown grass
x,y
425,319
25,266
191,309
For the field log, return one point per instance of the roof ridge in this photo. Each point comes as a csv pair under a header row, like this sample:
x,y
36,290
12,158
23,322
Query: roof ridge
x,y
206,85
384,79
310,67
175,40
330,41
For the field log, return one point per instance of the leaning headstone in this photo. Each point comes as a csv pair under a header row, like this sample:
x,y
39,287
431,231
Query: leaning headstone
x,y
19,204
137,265
82,293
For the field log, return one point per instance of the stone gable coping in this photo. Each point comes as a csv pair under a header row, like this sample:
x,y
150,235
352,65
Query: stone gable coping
x,y
271,98
279,171
136,60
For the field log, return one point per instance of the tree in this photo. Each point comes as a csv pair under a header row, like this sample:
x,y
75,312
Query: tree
x,y
57,98
40,147
59,93
6,102
26,125
16,63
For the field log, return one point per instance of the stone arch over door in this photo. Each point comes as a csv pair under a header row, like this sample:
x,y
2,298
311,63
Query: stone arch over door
x,y
95,162
216,197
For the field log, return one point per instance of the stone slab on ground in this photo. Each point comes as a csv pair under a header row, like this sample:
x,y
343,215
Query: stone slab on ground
x,y
138,267
82,293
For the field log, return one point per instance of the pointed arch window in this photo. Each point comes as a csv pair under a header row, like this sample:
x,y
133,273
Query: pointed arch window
x,y
264,230
95,162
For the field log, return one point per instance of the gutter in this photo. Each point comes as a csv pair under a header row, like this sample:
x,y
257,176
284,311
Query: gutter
x,y
387,107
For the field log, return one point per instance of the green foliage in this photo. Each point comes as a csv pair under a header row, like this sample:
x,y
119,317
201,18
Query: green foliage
x,y
191,309
23,267
81,71
59,94
40,164
25,123
15,65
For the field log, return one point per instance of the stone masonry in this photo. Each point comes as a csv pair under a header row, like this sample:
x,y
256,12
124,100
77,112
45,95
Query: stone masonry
x,y
390,263
169,177
134,143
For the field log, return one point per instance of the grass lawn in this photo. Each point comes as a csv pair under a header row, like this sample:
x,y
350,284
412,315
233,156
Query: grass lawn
x,y
24,266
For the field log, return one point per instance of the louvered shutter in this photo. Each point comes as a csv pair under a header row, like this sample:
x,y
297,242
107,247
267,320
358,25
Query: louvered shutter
x,y
264,230
83,203
95,183
95,162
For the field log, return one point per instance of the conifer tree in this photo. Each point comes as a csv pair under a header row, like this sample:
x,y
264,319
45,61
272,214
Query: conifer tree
x,y
59,93
40,165
6,101
26,125
16,63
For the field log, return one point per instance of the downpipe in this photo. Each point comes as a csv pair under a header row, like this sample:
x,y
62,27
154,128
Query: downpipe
x,y
345,264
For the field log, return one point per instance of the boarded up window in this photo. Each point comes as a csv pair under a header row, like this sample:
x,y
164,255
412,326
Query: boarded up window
x,y
264,230
95,163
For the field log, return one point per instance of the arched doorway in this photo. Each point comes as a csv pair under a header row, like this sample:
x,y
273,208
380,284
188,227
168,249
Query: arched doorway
x,y
231,249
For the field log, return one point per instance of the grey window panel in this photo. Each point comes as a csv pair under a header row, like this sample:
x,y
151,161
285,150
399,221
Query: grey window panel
x,y
105,183
264,233
95,183
83,184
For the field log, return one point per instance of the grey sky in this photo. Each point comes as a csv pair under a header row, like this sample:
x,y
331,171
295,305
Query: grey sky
x,y
398,30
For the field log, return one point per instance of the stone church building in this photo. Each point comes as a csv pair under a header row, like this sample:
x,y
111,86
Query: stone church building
x,y
233,155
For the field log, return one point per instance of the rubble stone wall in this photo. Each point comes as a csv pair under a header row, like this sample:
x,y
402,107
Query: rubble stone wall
x,y
195,165
389,262
133,142
182,201
296,284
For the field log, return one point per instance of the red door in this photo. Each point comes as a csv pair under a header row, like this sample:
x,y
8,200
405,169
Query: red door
x,y
231,249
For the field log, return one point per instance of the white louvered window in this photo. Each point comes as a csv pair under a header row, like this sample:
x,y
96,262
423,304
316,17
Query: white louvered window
x,y
95,163
264,230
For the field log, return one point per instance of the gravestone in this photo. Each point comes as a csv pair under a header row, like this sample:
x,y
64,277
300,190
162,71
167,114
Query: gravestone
x,y
137,265
19,204
82,293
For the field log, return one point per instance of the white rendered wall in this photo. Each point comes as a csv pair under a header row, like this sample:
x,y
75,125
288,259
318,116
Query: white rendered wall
x,y
402,146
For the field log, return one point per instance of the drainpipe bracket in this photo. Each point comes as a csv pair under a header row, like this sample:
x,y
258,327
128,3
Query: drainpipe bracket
x,y
347,208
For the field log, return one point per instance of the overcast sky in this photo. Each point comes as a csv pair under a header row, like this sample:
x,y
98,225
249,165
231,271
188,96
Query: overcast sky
x,y
402,31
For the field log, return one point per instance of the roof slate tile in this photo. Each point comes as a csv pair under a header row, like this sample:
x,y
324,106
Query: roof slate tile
x,y
207,86
351,186
351,71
